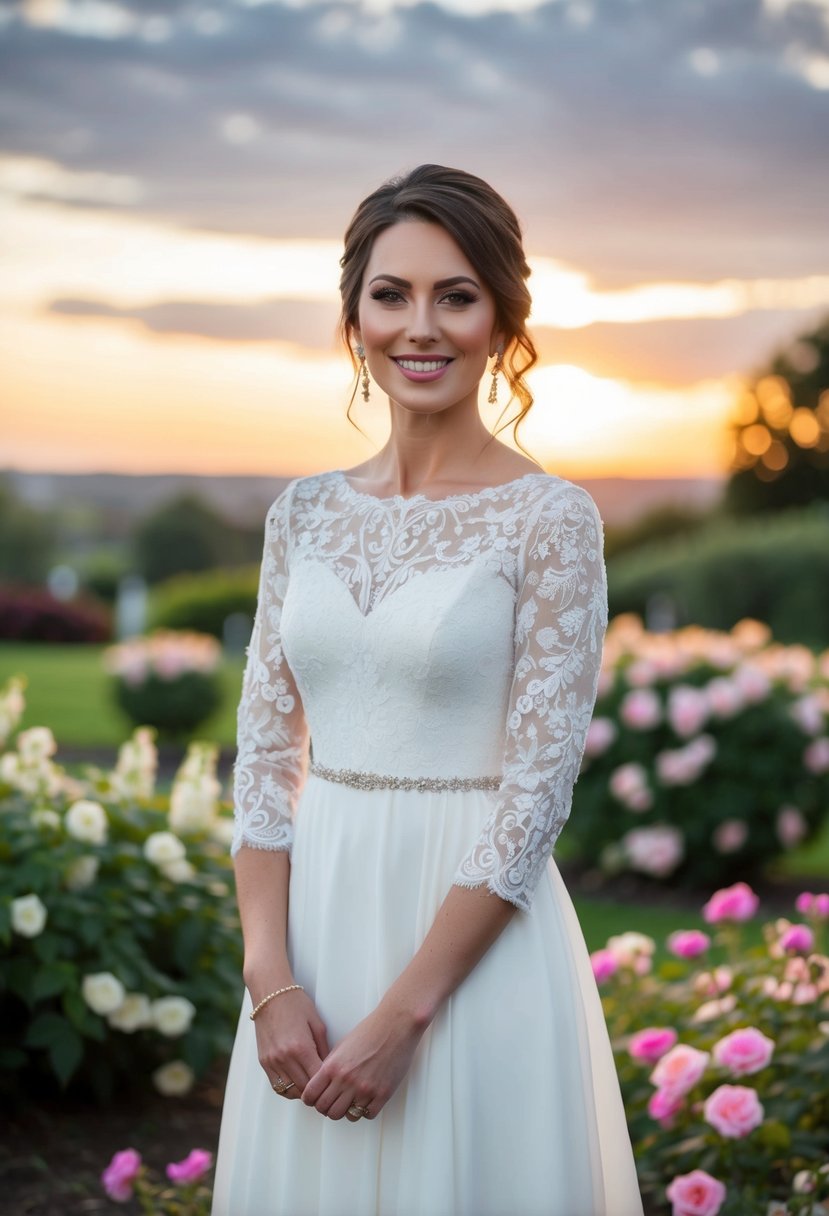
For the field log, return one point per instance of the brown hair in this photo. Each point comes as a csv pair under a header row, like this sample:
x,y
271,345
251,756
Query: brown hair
x,y
487,230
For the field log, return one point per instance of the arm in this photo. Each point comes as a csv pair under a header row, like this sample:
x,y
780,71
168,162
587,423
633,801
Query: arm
x,y
561,616
268,775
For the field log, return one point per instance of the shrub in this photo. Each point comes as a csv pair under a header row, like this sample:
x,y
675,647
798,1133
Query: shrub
x,y
204,601
166,679
775,569
707,755
723,1064
122,948
33,614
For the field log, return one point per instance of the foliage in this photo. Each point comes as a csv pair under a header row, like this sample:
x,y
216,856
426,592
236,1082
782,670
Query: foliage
x,y
204,601
166,679
33,614
775,569
27,544
661,523
707,755
780,430
188,535
723,1066
122,957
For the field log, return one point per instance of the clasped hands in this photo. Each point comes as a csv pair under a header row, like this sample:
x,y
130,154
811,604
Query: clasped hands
x,y
364,1068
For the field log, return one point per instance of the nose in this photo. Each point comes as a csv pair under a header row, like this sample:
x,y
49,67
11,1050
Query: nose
x,y
422,325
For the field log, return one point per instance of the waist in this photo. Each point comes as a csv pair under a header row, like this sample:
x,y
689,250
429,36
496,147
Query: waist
x,y
379,781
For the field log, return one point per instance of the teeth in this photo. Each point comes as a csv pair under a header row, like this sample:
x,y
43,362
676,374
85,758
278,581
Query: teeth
x,y
419,365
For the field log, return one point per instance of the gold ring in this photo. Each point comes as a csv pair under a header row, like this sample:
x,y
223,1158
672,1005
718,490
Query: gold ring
x,y
281,1086
357,1111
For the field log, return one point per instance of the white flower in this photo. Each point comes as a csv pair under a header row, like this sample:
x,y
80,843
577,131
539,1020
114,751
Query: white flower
x,y
28,914
87,820
222,830
178,871
163,847
134,1013
82,872
218,888
172,1015
103,992
36,743
173,1079
45,817
193,805
10,768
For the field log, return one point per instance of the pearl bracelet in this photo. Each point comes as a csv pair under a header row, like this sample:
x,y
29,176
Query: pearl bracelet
x,y
270,997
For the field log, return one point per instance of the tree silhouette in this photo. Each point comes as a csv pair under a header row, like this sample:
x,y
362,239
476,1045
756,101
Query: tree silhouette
x,y
780,431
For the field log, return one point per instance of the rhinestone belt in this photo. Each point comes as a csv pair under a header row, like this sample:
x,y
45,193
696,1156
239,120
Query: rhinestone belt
x,y
377,781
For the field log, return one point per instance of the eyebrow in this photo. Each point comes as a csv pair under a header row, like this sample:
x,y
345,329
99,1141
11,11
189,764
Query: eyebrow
x,y
459,278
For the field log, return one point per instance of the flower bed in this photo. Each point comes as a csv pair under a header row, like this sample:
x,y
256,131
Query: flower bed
x,y
707,755
723,1064
122,946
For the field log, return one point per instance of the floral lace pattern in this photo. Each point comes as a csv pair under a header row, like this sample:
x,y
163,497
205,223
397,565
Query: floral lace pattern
x,y
541,536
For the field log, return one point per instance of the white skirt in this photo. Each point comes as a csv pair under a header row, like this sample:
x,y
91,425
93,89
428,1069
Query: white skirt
x,y
511,1106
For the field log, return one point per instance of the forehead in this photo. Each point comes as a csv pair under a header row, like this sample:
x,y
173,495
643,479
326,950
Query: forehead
x,y
415,248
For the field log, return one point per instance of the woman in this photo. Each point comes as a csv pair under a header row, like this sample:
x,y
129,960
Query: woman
x,y
427,1037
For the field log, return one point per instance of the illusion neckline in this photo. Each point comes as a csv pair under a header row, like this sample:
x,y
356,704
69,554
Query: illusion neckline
x,y
469,496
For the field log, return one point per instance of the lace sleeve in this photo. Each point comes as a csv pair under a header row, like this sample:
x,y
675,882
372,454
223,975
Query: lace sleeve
x,y
560,621
272,734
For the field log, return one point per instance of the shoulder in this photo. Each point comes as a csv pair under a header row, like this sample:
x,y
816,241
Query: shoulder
x,y
557,500
295,496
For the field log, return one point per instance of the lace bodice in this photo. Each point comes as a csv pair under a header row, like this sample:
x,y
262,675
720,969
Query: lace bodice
x,y
411,636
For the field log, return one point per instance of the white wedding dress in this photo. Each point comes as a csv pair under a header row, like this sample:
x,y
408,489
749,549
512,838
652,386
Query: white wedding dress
x,y
457,638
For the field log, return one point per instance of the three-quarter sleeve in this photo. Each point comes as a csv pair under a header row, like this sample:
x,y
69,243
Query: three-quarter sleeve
x,y
560,621
271,758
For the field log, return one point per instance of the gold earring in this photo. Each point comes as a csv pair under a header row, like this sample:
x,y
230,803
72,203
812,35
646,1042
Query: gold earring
x,y
493,388
361,355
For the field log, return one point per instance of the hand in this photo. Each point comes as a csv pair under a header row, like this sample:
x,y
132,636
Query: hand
x,y
291,1040
366,1066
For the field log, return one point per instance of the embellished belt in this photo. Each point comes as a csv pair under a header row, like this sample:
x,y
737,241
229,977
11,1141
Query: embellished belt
x,y
377,781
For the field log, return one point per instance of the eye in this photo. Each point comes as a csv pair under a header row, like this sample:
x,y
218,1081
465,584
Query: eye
x,y
389,294
460,297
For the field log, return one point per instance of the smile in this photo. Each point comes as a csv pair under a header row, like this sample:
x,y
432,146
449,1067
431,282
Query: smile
x,y
422,365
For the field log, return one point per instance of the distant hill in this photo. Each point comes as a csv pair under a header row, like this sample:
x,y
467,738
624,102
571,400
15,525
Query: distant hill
x,y
124,497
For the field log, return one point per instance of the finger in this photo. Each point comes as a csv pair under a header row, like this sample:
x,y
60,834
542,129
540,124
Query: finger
x,y
316,1085
328,1097
339,1108
320,1039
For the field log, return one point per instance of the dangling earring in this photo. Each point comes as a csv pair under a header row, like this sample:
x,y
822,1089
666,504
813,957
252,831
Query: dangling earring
x,y
361,355
493,388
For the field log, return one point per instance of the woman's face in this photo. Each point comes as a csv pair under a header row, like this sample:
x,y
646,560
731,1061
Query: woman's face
x,y
426,319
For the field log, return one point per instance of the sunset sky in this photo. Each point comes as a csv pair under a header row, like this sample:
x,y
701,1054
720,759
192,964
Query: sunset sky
x,y
176,176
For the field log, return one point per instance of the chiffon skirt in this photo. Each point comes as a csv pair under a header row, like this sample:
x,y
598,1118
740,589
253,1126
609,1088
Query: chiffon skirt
x,y
511,1106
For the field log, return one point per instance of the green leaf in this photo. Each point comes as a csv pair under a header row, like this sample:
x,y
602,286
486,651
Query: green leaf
x,y
66,1053
52,979
44,1028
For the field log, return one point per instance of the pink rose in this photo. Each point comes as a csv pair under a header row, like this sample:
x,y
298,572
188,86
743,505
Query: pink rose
x,y
744,1051
600,734
724,697
733,1110
808,714
679,1069
604,964
648,1045
808,904
192,1168
730,835
797,939
656,850
641,709
696,1194
737,902
752,682
687,709
119,1176
688,943
816,755
663,1107
627,779
791,826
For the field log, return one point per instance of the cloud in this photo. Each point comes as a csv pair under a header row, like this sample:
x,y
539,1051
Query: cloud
x,y
299,322
637,141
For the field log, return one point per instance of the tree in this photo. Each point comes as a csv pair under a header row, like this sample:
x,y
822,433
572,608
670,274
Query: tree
x,y
780,431
184,534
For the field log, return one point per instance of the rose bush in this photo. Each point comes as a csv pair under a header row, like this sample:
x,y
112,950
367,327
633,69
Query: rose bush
x,y
127,1177
167,679
122,956
723,1052
707,755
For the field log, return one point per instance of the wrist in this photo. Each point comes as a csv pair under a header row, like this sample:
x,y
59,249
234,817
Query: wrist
x,y
414,1010
262,976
